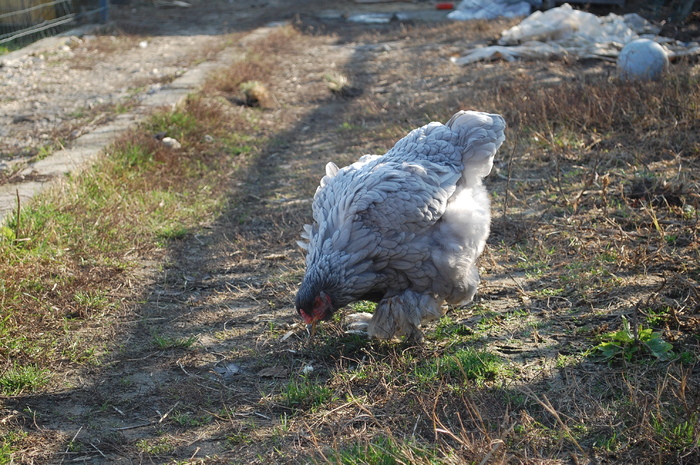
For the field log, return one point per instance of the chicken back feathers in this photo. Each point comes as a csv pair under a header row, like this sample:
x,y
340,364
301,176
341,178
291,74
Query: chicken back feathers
x,y
404,229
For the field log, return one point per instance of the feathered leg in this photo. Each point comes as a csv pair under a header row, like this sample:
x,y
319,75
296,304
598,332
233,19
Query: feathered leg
x,y
472,285
398,315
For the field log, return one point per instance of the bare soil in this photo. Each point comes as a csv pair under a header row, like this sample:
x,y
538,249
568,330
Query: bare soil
x,y
231,287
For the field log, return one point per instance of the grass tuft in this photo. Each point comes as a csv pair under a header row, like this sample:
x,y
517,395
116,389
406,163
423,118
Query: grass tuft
x,y
18,379
460,367
305,393
385,450
169,342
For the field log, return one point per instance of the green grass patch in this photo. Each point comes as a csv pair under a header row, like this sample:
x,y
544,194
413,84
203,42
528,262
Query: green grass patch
x,y
8,443
460,367
172,233
12,341
169,342
179,124
242,144
190,420
20,379
384,450
305,393
96,300
446,328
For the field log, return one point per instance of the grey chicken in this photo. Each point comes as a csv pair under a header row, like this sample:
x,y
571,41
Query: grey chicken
x,y
402,229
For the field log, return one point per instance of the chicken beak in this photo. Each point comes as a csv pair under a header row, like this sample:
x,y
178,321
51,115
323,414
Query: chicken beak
x,y
313,329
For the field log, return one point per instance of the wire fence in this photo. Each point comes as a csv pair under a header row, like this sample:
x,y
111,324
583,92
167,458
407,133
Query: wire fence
x,y
25,21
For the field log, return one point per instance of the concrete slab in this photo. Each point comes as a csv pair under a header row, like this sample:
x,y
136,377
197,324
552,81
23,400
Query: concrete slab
x,y
86,148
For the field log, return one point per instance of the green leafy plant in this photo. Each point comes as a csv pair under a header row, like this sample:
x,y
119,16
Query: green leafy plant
x,y
626,345
363,306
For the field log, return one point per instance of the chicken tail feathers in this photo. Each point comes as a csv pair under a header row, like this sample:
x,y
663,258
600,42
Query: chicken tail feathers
x,y
331,170
480,135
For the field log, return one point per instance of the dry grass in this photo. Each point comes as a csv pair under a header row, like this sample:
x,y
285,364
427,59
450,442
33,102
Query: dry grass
x,y
595,217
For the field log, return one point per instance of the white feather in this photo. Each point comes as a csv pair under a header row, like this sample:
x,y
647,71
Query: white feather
x,y
331,169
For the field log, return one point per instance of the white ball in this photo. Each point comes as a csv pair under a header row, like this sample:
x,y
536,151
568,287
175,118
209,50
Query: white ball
x,y
642,60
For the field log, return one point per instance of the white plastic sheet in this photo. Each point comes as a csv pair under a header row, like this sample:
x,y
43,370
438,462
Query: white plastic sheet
x,y
565,31
566,24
